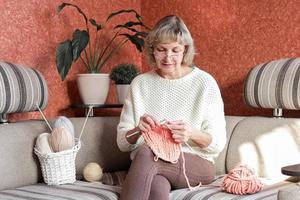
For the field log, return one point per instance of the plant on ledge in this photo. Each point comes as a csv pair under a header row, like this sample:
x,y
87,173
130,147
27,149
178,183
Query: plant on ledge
x,y
95,56
123,73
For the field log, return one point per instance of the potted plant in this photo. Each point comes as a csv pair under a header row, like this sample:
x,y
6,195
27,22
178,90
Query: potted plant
x,y
94,53
122,75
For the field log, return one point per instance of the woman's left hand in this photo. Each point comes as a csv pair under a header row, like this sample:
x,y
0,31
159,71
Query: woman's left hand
x,y
181,131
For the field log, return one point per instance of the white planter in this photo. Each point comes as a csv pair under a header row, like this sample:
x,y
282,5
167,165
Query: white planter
x,y
93,88
122,91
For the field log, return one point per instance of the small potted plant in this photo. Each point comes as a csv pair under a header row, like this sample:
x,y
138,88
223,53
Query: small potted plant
x,y
122,75
94,51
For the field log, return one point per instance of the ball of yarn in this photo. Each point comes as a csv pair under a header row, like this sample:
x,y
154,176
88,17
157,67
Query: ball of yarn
x,y
92,172
241,180
61,139
65,122
42,144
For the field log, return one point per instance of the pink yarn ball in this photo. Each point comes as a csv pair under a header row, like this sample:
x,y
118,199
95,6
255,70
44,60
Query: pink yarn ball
x,y
241,180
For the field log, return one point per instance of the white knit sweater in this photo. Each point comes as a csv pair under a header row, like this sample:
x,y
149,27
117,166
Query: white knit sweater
x,y
194,98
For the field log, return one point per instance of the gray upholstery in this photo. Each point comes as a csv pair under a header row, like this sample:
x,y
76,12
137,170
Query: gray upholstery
x,y
231,123
274,84
97,191
289,193
21,89
19,165
265,144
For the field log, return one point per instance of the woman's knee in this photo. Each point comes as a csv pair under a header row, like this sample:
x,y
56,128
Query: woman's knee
x,y
160,188
144,151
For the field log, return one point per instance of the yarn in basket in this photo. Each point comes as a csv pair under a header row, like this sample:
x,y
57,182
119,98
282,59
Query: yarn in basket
x,y
61,139
42,143
65,122
241,180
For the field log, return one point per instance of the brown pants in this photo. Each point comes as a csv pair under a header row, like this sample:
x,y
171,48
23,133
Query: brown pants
x,y
149,179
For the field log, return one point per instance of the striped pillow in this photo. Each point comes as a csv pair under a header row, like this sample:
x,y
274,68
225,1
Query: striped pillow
x,y
21,89
274,84
114,178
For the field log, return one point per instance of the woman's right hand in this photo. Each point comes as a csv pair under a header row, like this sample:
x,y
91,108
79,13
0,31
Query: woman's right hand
x,y
147,122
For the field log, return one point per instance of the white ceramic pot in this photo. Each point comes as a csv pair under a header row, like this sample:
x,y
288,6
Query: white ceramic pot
x,y
93,88
122,91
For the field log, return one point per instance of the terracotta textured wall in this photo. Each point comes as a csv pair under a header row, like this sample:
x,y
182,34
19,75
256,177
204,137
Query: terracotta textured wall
x,y
231,37
30,31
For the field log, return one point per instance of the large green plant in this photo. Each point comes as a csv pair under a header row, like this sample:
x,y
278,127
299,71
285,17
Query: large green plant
x,y
95,56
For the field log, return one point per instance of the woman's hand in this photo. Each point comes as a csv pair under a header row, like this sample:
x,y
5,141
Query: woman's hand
x,y
147,122
181,131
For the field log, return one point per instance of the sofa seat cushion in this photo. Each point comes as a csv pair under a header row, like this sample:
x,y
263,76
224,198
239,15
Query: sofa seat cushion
x,y
77,191
96,191
211,192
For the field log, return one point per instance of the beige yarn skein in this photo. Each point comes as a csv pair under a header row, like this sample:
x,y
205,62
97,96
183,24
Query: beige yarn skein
x,y
92,172
61,139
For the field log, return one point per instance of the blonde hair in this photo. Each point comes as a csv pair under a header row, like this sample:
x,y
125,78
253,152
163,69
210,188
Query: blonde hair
x,y
170,29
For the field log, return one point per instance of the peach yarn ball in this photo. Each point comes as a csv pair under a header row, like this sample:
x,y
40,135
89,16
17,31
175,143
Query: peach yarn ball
x,y
92,172
61,139
241,180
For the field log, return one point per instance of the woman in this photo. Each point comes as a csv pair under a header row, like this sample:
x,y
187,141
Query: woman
x,y
188,98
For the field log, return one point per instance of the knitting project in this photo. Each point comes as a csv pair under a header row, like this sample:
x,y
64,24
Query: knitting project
x,y
161,142
241,180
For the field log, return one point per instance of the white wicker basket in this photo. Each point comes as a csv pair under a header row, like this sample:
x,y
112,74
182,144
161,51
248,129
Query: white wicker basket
x,y
59,168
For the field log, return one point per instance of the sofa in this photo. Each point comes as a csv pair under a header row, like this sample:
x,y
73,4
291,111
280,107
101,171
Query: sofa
x,y
265,144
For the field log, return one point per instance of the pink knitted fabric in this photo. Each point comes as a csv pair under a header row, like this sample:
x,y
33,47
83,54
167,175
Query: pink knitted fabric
x,y
161,142
241,180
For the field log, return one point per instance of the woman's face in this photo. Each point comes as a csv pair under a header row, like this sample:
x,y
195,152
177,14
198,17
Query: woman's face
x,y
168,57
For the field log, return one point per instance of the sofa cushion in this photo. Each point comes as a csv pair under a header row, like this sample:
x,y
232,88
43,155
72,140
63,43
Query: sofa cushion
x,y
231,122
19,166
289,193
97,191
213,192
78,190
265,144
274,84
21,89
114,178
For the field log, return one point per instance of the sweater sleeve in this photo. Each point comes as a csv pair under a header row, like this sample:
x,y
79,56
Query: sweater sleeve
x,y
127,122
214,120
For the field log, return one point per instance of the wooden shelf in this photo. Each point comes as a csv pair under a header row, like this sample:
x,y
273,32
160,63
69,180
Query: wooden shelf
x,y
95,106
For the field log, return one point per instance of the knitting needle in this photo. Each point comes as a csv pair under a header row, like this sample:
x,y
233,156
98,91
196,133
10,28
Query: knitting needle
x,y
132,134
44,117
86,118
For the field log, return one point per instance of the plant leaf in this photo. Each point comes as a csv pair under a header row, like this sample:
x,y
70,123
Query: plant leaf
x,y
63,5
64,58
128,25
137,16
79,42
94,23
138,42
142,34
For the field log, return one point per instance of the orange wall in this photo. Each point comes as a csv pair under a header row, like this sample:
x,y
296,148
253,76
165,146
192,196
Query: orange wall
x,y
230,37
30,31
